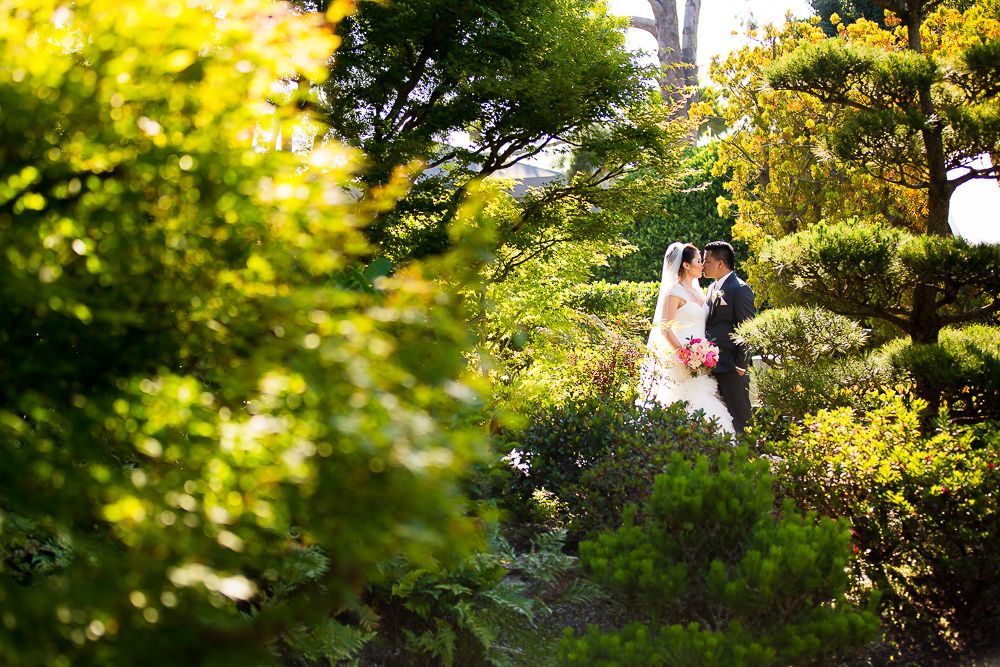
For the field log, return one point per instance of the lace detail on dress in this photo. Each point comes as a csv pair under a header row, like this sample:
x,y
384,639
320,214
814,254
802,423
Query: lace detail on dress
x,y
663,380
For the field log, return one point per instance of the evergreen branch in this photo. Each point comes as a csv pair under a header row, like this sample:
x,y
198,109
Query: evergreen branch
x,y
973,174
971,315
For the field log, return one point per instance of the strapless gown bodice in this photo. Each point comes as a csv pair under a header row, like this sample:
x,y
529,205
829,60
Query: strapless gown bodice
x,y
665,381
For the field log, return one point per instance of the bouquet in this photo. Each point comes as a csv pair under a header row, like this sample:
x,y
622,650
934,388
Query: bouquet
x,y
698,355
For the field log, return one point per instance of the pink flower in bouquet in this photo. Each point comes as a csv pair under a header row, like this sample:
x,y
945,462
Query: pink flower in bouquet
x,y
698,355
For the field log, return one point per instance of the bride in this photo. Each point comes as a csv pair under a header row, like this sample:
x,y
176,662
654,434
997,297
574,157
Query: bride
x,y
681,311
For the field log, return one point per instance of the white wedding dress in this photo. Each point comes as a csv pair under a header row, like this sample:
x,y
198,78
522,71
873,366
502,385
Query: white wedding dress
x,y
665,381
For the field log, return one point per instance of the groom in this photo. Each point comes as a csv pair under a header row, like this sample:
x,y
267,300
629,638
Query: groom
x,y
730,303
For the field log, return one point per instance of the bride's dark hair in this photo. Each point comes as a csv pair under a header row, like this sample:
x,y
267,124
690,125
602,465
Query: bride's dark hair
x,y
687,256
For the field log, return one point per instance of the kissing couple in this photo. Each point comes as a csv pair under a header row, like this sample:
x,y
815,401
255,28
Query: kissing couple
x,y
690,353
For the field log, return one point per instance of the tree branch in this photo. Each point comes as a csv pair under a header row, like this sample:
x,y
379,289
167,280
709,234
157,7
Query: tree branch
x,y
643,23
972,315
973,174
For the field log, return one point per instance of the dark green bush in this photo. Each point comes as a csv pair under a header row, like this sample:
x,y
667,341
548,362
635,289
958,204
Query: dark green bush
x,y
716,578
689,214
598,456
961,372
924,508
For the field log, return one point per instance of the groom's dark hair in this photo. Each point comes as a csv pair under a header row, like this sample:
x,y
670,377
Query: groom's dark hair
x,y
723,251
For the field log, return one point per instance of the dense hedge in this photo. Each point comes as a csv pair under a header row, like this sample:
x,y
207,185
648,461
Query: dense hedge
x,y
689,214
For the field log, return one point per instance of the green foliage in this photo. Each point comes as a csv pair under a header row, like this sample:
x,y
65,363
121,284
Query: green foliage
x,y
709,537
471,612
530,60
923,507
320,638
545,369
627,307
918,283
803,335
513,76
788,392
190,397
960,373
689,213
29,552
597,456
849,11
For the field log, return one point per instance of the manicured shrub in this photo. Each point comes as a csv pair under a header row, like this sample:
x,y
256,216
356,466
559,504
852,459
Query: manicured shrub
x,y
804,335
811,362
789,391
715,577
924,508
598,456
961,372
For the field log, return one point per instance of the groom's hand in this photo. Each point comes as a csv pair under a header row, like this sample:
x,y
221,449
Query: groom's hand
x,y
741,371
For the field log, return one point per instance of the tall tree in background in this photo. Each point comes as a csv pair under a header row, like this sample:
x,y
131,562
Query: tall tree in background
x,y
849,11
780,177
677,52
470,88
916,108
516,75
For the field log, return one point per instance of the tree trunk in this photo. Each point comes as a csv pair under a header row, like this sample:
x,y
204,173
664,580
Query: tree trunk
x,y
939,190
925,325
689,51
668,39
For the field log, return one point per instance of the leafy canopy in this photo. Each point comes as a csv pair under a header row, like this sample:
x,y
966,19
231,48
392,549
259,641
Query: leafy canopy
x,y
206,440
470,88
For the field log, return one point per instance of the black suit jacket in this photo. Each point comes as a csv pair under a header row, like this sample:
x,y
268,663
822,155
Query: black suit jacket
x,y
724,318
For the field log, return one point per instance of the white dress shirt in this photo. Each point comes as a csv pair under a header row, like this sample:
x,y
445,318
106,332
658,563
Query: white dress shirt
x,y
718,284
